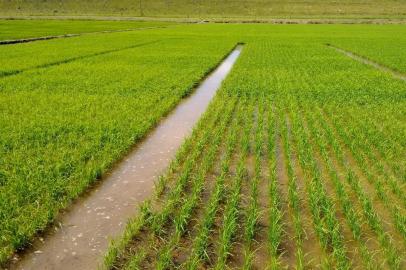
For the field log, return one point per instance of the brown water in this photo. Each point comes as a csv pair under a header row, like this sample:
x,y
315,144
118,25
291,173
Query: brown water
x,y
376,65
84,231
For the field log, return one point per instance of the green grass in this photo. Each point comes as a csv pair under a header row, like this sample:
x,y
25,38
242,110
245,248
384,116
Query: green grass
x,y
212,9
315,177
18,29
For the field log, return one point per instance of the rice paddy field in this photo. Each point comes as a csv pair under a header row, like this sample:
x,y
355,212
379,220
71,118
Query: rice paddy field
x,y
19,29
298,163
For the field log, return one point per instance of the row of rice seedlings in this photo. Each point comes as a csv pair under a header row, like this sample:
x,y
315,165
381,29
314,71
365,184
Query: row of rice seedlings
x,y
210,119
231,212
389,179
182,217
396,186
362,134
368,129
397,211
230,218
359,154
369,213
275,230
293,195
252,213
134,226
323,142
387,149
389,152
159,219
374,221
380,160
199,252
156,221
324,219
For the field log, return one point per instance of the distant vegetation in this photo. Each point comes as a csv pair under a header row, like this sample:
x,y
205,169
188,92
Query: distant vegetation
x,y
210,8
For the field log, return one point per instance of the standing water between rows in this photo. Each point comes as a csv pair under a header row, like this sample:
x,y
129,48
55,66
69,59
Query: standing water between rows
x,y
83,234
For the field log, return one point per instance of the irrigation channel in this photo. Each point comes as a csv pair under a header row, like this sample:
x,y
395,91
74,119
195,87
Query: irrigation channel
x,y
83,233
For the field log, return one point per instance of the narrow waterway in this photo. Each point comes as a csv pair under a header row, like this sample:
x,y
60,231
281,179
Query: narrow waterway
x,y
84,231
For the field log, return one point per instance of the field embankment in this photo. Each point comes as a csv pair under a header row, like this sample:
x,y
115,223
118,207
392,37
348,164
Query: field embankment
x,y
250,10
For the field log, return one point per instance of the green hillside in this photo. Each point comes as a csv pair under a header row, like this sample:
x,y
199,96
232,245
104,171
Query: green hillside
x,y
253,9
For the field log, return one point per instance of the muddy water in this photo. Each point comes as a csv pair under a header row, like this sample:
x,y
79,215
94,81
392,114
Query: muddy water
x,y
361,59
84,231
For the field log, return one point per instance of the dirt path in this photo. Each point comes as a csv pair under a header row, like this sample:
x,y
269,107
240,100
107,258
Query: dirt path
x,y
84,231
